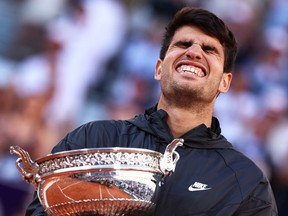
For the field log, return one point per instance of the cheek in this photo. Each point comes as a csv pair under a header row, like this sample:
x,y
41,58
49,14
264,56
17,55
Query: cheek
x,y
216,62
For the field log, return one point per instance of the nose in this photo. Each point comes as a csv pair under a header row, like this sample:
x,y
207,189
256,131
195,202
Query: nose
x,y
194,51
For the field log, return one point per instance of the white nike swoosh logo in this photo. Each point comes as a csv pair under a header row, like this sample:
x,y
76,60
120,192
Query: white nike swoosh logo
x,y
191,188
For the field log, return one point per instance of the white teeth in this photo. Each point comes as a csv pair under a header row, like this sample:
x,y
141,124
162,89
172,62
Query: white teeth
x,y
191,69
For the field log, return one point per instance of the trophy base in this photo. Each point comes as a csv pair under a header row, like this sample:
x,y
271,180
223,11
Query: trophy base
x,y
103,207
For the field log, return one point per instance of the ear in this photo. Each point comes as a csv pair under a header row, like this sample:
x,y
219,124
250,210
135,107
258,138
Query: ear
x,y
158,70
225,82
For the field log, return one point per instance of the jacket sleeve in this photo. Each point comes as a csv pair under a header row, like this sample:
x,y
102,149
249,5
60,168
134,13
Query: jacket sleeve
x,y
260,202
35,208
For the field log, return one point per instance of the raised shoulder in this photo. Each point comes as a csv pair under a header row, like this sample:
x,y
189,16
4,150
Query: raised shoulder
x,y
91,135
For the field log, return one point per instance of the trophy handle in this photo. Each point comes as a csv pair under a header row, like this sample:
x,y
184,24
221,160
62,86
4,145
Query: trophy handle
x,y
26,166
169,159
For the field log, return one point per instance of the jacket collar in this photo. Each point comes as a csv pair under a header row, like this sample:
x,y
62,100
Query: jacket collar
x,y
154,122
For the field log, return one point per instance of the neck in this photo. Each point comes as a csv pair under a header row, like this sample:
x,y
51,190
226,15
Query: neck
x,y
182,119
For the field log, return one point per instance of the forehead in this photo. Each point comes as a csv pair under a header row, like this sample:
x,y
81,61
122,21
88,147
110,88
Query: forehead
x,y
195,34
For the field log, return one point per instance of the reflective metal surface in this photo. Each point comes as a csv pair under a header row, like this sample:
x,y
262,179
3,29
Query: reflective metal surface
x,y
100,181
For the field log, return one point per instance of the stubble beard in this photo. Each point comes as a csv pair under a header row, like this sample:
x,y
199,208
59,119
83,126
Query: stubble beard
x,y
185,97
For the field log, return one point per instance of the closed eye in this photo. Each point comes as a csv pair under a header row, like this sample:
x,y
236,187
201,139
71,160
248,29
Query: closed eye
x,y
209,49
183,44
205,48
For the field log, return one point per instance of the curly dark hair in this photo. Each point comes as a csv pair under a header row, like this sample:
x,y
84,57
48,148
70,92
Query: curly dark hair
x,y
207,22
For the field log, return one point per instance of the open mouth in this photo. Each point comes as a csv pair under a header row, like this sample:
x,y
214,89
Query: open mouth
x,y
191,69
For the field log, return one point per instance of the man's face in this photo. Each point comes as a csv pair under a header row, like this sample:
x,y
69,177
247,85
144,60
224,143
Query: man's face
x,y
192,69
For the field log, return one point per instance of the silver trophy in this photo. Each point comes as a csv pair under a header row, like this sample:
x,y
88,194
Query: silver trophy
x,y
99,181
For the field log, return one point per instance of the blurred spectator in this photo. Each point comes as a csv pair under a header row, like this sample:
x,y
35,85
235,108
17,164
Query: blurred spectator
x,y
277,14
277,147
268,70
240,110
9,22
89,38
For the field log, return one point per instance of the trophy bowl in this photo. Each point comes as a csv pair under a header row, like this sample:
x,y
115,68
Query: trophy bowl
x,y
99,181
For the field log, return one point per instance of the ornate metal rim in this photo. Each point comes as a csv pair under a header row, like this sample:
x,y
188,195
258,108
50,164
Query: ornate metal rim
x,y
96,150
99,159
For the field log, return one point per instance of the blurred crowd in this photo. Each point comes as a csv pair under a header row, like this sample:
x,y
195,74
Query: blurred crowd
x,y
67,62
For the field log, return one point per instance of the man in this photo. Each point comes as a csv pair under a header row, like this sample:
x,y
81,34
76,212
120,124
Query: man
x,y
211,178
